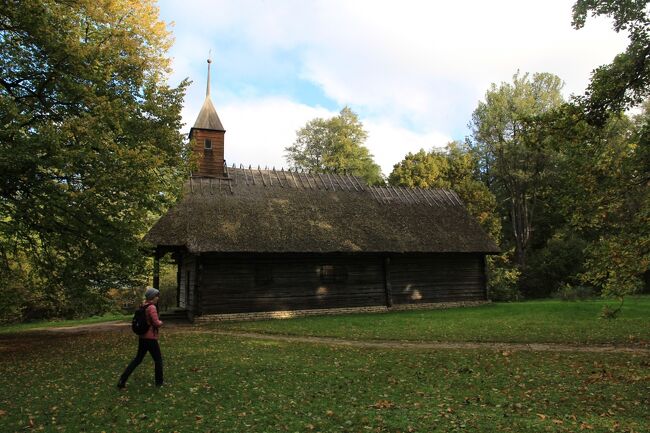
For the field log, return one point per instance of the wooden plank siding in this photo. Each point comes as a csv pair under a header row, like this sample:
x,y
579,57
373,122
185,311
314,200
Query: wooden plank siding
x,y
210,162
424,278
235,284
242,283
187,268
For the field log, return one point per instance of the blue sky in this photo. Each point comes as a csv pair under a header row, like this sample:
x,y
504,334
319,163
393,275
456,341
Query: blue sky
x,y
413,70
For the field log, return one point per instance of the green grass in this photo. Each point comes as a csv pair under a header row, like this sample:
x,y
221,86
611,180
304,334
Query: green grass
x,y
20,327
227,384
548,321
216,383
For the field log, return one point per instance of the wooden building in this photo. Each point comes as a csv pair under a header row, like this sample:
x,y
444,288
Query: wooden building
x,y
267,241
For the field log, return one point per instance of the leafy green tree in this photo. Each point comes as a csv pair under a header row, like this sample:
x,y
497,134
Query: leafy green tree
x,y
90,149
421,170
513,156
334,145
456,167
452,168
625,82
604,195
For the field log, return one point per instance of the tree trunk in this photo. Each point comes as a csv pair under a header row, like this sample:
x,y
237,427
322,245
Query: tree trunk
x,y
520,228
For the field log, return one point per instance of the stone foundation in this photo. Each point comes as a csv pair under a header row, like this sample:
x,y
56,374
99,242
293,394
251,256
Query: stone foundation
x,y
331,311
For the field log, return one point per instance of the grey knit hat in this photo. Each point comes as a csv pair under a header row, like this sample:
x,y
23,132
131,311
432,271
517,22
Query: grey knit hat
x,y
151,293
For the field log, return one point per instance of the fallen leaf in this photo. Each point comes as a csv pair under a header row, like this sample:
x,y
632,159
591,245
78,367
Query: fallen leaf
x,y
541,416
383,404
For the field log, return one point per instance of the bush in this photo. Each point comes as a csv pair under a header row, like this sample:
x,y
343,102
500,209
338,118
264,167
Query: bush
x,y
568,292
168,285
24,297
12,305
503,279
549,269
126,299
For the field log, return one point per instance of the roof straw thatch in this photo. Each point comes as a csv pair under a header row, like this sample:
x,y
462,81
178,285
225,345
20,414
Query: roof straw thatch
x,y
256,210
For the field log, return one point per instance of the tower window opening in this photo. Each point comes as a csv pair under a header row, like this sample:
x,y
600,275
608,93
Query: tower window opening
x,y
207,144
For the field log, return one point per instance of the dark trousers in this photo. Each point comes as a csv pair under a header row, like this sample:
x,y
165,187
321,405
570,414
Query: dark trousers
x,y
144,346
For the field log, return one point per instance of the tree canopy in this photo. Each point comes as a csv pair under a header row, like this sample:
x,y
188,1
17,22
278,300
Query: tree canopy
x,y
334,145
513,158
601,191
90,148
625,82
453,167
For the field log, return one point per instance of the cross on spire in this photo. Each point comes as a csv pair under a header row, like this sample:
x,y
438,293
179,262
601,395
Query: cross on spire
x,y
207,90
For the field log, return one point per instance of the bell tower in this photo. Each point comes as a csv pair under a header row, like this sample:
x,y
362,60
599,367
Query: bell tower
x,y
207,138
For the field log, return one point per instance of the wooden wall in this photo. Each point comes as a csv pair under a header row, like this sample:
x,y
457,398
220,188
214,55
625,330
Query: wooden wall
x,y
232,283
235,284
210,161
425,278
188,268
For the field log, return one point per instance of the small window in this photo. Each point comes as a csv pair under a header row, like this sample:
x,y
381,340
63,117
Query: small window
x,y
208,144
332,274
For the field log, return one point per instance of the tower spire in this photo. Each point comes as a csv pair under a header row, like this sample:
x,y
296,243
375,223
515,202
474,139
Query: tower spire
x,y
207,90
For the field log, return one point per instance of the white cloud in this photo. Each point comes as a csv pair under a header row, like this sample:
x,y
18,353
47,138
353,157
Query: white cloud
x,y
257,131
276,121
413,70
389,143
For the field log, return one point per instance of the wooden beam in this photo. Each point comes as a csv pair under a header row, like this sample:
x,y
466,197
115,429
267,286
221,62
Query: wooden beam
x,y
197,286
156,270
387,284
484,280
178,282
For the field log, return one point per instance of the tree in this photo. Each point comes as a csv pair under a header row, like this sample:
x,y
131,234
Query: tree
x,y
90,149
513,157
452,168
604,195
625,82
421,170
456,168
334,145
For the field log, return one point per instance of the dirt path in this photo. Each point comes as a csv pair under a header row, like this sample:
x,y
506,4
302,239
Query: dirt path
x,y
433,345
116,325
85,329
379,344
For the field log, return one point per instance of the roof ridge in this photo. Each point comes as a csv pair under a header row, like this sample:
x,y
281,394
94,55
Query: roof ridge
x,y
330,182
294,178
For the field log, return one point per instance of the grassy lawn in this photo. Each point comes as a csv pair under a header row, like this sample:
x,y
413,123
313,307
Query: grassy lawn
x,y
19,327
217,383
227,384
547,321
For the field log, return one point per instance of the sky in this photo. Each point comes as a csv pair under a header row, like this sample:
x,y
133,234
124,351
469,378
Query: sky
x,y
414,71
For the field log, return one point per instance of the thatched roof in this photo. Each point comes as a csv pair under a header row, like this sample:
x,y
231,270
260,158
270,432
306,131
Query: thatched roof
x,y
283,211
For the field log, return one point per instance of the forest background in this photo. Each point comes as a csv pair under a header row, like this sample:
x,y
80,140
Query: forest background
x,y
91,155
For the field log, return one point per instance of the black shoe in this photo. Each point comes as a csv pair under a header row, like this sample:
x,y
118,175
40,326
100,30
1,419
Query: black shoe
x,y
121,384
158,385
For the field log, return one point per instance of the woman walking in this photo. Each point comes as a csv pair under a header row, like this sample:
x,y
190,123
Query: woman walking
x,y
148,342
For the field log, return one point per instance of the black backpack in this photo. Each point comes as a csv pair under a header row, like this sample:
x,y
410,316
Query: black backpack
x,y
139,323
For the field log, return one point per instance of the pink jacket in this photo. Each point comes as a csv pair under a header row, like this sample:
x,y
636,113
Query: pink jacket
x,y
153,320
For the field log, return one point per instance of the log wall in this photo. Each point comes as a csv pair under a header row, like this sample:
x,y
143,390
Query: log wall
x,y
429,278
238,284
244,283
187,281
